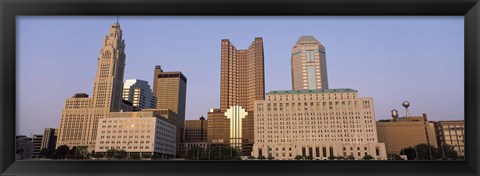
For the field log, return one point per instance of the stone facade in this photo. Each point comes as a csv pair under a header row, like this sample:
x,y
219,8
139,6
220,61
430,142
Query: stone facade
x,y
317,123
136,132
78,125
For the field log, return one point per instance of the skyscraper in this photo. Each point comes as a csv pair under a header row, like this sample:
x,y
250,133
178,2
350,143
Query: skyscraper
x,y
241,83
309,65
242,75
49,139
170,88
80,116
138,92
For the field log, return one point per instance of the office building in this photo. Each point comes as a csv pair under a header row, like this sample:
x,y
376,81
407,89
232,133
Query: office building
x,y
137,133
309,64
37,144
172,118
138,92
404,132
127,106
78,125
170,89
49,140
196,130
316,123
242,75
451,132
241,83
23,148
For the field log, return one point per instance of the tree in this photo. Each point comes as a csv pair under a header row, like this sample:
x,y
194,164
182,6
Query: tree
x,y
146,156
368,157
98,155
298,157
119,156
219,152
111,153
251,157
43,153
340,158
196,153
155,156
410,152
332,157
448,152
135,156
61,152
309,157
270,157
395,157
121,153
421,152
261,157
350,157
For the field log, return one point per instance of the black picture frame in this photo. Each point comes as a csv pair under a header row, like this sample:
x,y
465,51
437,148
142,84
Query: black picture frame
x,y
9,9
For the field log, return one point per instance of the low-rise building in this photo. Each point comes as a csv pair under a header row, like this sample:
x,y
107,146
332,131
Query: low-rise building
x,y
37,144
317,124
23,148
451,132
404,132
136,133
196,130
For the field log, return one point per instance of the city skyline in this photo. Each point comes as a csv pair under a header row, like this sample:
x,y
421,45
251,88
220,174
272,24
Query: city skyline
x,y
198,103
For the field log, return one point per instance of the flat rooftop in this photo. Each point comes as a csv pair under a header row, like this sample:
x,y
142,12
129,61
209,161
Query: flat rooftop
x,y
343,90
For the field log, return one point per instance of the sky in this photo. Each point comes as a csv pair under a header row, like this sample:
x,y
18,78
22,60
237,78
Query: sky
x,y
392,59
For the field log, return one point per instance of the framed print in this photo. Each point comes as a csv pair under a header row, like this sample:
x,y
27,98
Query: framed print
x,y
370,84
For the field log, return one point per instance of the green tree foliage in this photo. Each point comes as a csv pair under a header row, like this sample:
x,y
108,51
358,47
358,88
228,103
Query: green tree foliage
x,y
350,157
196,153
298,157
270,157
368,157
422,152
251,157
155,156
331,157
61,152
44,153
146,156
98,155
118,154
261,157
448,152
309,157
135,156
395,157
220,153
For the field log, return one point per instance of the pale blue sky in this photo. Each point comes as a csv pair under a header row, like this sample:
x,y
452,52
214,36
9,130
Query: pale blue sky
x,y
392,59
